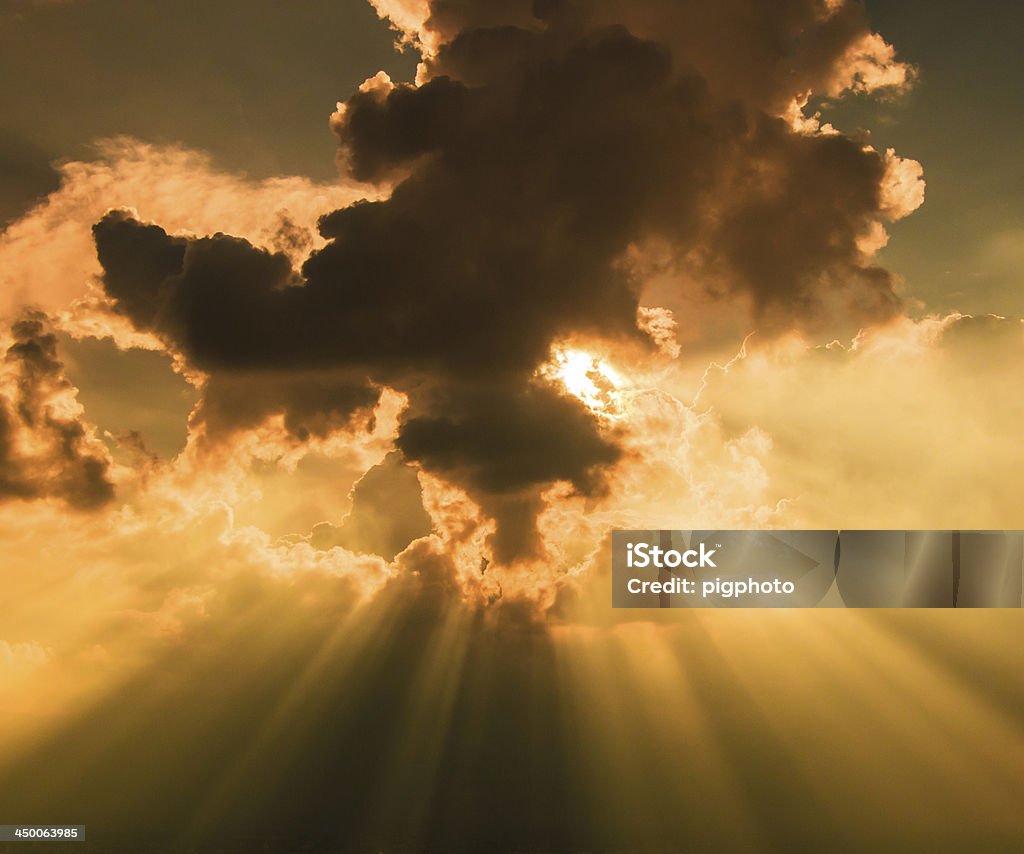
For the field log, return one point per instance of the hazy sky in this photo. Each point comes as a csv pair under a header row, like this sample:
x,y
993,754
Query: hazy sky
x,y
250,81
965,247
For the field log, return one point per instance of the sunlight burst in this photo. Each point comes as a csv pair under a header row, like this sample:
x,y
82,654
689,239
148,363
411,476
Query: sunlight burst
x,y
588,378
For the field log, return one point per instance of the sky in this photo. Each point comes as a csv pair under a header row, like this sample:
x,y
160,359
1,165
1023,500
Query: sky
x,y
962,249
337,337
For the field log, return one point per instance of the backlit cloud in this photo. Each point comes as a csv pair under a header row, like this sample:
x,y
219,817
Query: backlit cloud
x,y
542,148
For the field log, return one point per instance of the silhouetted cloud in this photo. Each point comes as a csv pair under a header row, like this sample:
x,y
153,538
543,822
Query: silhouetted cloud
x,y
45,450
545,147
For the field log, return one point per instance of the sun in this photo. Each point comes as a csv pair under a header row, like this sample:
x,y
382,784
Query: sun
x,y
588,378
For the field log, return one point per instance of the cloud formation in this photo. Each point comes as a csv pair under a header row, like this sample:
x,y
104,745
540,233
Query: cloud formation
x,y
485,366
911,425
544,148
47,257
46,450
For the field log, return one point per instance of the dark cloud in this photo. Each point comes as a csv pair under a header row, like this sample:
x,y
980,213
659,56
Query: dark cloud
x,y
506,444
758,53
789,236
44,451
315,353
136,260
313,403
549,140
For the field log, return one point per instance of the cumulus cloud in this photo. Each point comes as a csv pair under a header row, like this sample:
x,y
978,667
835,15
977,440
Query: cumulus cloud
x,y
47,257
551,162
869,65
46,449
762,55
481,368
543,149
